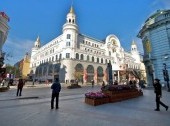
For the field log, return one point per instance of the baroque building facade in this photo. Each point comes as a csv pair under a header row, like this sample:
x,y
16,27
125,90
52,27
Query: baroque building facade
x,y
24,66
4,28
155,35
73,55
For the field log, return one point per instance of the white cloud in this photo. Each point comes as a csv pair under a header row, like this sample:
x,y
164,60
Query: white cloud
x,y
17,48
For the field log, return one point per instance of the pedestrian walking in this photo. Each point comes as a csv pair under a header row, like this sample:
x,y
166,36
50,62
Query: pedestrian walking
x,y
19,87
56,87
158,92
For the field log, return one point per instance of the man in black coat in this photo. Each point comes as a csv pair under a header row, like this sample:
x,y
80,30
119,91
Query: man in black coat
x,y
158,92
56,87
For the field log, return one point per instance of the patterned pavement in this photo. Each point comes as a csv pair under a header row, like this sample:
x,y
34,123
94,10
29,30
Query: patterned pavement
x,y
34,109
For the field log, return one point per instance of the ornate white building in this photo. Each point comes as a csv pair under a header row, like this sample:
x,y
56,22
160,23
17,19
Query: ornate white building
x,y
4,28
73,56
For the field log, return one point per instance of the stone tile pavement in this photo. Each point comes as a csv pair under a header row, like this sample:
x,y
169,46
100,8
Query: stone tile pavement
x,y
74,112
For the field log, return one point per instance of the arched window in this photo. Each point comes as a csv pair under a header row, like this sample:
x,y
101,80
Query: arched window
x,y
50,70
44,70
81,57
60,57
100,71
88,58
56,57
77,56
101,60
56,68
37,71
78,74
97,60
79,68
90,69
92,59
40,71
105,60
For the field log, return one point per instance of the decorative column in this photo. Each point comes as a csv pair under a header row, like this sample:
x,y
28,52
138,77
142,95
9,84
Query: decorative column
x,y
105,77
95,76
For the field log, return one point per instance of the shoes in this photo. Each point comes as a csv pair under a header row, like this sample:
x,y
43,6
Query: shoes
x,y
157,109
57,108
167,108
51,108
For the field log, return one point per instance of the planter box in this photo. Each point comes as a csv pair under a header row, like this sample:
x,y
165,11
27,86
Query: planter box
x,y
3,89
116,96
96,102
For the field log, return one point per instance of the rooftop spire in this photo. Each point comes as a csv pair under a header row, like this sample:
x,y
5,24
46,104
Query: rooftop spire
x,y
133,42
38,39
71,10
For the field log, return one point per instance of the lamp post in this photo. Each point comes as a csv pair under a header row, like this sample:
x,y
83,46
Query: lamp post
x,y
109,71
166,76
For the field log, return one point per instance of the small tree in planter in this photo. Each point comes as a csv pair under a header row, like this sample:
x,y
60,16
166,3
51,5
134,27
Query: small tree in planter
x,y
74,84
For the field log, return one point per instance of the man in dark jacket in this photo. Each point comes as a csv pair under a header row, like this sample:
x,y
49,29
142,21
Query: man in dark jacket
x,y
56,87
158,92
19,87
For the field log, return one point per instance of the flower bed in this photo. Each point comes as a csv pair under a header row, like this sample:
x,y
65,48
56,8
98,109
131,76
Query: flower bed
x,y
112,94
96,98
121,92
96,95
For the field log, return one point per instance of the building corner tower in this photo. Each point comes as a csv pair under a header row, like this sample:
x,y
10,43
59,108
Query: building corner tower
x,y
134,52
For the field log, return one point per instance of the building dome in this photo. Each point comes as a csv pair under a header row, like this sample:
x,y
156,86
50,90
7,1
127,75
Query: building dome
x,y
155,35
158,14
160,17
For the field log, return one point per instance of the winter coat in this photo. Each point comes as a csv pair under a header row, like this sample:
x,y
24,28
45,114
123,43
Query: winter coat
x,y
20,83
56,87
158,89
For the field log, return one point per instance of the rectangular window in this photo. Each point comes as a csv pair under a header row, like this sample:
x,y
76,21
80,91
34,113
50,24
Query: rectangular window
x,y
67,55
109,53
67,43
68,36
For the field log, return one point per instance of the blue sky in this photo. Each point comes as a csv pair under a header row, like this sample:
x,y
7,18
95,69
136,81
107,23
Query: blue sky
x,y
95,18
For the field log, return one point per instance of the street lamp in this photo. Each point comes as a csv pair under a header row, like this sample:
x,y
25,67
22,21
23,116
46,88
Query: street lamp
x,y
166,76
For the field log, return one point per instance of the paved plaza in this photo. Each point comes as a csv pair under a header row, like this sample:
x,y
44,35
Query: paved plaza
x,y
33,109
